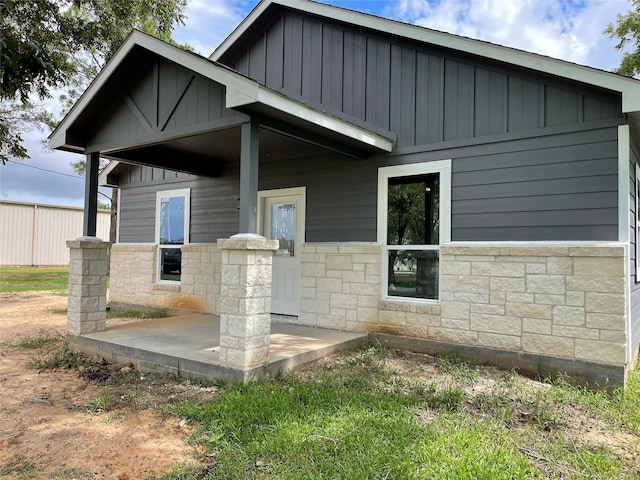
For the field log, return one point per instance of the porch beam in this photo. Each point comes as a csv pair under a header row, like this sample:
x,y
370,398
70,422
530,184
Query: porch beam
x,y
249,151
91,195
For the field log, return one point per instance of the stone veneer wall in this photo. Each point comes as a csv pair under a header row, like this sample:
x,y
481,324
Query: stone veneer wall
x,y
562,301
555,301
133,278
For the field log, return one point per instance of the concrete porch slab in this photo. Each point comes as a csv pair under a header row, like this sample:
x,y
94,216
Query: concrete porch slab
x,y
188,345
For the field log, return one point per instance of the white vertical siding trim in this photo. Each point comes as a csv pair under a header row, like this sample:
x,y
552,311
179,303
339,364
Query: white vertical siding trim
x,y
118,216
624,175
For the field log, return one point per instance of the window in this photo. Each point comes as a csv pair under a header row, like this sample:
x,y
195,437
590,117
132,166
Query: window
x,y
637,225
172,231
413,221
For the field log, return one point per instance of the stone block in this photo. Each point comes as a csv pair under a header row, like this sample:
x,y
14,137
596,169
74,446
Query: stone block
x,y
569,316
469,250
559,266
339,262
487,309
329,321
596,284
331,285
613,336
366,258
423,319
464,337
498,298
548,345
539,268
497,269
506,284
549,299
344,301
575,299
455,268
529,310
599,351
386,317
496,324
457,310
545,284
540,251
367,315
364,289
471,297
368,301
605,321
502,342
313,270
308,305
575,332
597,251
466,284
353,276
453,323
517,297
599,266
605,303
536,325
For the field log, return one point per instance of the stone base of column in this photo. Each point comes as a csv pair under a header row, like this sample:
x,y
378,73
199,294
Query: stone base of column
x,y
88,271
245,305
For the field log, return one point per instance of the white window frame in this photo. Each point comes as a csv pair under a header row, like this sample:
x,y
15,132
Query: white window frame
x,y
443,168
637,223
183,192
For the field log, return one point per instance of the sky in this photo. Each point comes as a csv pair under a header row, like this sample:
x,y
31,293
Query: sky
x,y
570,30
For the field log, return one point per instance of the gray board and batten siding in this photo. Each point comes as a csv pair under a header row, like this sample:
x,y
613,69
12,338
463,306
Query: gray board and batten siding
x,y
534,157
422,93
557,187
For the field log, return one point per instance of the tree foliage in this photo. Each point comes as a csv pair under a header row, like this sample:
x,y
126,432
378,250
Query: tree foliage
x,y
49,44
626,31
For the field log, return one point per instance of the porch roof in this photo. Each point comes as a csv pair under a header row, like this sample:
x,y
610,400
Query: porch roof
x,y
276,113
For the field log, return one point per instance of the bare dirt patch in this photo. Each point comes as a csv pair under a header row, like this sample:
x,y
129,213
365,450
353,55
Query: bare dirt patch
x,y
46,427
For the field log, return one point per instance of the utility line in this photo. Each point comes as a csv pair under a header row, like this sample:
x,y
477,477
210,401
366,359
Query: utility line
x,y
44,169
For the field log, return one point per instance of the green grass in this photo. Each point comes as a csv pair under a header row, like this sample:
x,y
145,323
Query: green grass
x,y
23,279
362,419
139,314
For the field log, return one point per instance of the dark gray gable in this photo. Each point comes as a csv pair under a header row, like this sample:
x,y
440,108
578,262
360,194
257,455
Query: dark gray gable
x,y
163,101
424,94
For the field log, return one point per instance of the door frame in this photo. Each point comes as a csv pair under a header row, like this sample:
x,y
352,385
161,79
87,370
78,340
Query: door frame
x,y
285,192
301,196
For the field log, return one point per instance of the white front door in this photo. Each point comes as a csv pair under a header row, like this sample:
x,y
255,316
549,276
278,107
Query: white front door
x,y
283,220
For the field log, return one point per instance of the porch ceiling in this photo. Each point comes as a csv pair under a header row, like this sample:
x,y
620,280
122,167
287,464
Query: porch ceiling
x,y
209,153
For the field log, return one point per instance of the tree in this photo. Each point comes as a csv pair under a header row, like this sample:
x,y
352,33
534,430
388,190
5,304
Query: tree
x,y
47,44
626,31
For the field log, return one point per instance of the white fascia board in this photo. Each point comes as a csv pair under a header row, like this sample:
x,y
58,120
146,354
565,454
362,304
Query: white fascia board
x,y
240,29
304,112
629,87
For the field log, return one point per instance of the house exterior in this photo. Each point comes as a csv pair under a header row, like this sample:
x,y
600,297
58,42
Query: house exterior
x,y
438,192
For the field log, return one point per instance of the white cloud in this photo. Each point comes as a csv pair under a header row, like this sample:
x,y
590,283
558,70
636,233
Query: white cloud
x,y
562,29
211,21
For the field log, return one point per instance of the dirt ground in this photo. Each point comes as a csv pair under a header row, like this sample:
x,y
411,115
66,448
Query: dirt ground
x,y
46,429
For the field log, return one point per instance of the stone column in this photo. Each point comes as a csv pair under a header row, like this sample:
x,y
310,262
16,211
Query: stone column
x,y
245,306
88,270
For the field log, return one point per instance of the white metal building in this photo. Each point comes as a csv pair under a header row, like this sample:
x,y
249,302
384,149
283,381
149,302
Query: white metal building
x,y
36,234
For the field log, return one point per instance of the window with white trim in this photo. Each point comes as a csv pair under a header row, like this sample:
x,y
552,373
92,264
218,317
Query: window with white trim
x,y
637,223
172,232
414,209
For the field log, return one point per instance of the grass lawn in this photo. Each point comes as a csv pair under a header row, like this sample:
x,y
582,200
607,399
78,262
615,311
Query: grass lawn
x,y
364,418
22,279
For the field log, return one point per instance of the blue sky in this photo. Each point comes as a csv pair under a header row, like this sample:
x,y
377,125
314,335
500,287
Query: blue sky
x,y
567,29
